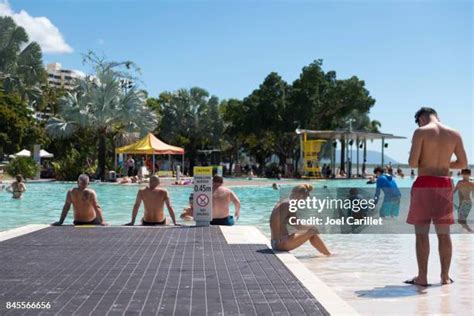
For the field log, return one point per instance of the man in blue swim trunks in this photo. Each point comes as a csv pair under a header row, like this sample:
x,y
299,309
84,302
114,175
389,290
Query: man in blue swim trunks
x,y
391,202
221,199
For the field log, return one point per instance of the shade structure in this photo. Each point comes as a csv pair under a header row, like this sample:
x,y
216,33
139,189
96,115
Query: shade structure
x,y
27,153
150,145
22,153
45,154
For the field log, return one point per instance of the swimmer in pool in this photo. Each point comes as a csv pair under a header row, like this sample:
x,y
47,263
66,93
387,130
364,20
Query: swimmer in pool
x,y
280,218
188,211
17,188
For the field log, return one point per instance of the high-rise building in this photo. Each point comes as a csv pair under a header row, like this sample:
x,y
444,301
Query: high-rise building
x,y
62,78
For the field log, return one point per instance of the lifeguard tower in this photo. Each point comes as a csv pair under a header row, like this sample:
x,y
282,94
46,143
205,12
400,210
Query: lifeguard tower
x,y
311,151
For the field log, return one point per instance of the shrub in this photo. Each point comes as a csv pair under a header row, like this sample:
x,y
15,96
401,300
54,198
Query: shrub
x,y
70,167
25,166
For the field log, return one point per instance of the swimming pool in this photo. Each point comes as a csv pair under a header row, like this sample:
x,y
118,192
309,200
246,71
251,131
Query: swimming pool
x,y
366,270
43,202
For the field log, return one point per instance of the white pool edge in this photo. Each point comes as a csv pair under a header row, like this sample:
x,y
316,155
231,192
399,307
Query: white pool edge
x,y
332,302
19,231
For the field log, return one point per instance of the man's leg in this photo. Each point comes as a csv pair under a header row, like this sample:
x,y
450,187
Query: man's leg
x,y
445,249
422,252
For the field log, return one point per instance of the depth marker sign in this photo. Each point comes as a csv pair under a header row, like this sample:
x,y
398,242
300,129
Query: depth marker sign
x,y
202,197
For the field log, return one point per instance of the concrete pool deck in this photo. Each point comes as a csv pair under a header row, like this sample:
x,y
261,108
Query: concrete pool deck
x,y
168,271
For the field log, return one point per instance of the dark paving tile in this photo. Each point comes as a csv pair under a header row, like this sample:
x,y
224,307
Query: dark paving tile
x,y
171,271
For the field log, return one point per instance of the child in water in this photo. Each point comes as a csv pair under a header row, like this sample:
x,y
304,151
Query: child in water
x,y
465,187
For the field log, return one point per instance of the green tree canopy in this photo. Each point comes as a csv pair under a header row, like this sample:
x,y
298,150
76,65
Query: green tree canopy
x,y
191,118
18,129
21,65
101,104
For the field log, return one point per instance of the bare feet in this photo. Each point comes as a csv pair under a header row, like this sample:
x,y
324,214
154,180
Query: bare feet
x,y
418,281
446,280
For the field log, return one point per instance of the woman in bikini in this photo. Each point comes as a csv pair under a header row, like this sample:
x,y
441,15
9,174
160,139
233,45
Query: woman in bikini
x,y
17,188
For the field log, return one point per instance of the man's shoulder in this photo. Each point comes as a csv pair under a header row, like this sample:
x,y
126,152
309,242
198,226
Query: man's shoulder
x,y
88,190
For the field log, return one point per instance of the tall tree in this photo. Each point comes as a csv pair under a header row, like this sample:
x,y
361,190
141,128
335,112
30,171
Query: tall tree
x,y
21,65
191,118
18,129
103,105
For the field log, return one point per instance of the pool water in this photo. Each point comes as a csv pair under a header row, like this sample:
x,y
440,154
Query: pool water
x,y
43,202
366,270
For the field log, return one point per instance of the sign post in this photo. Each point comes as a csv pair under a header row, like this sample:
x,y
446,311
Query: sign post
x,y
37,158
202,197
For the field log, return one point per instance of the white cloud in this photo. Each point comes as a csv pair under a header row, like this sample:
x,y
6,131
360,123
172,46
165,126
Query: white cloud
x,y
39,29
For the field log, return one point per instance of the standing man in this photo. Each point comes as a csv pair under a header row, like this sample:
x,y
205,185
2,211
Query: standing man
x,y
391,200
433,145
130,166
221,199
84,201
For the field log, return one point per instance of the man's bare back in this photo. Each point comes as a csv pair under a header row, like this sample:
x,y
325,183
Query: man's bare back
x,y
153,201
221,199
433,146
83,203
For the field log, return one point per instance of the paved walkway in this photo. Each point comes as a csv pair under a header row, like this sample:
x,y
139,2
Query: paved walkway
x,y
147,271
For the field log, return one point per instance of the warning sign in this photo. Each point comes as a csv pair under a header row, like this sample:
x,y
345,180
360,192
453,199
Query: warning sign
x,y
202,197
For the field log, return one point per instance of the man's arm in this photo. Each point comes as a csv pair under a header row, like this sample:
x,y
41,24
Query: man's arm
x,y
170,208
461,158
97,208
236,201
136,207
415,151
66,207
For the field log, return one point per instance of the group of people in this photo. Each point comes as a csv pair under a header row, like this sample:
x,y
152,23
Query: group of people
x,y
87,210
433,145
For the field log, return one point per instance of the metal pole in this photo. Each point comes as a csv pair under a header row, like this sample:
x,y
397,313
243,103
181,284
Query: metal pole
x,y
153,164
357,144
183,163
383,149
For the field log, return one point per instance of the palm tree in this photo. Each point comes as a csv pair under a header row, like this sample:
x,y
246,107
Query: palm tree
x,y
21,65
102,104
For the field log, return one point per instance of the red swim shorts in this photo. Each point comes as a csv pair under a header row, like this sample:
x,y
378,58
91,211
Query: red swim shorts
x,y
431,200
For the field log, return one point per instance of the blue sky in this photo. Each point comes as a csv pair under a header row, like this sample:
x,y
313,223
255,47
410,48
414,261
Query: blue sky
x,y
410,54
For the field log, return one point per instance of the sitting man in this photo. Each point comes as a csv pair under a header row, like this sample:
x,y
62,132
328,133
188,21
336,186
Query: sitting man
x,y
84,201
154,199
281,239
221,198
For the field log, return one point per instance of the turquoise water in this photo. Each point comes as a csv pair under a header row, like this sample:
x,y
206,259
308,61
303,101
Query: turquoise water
x,y
43,202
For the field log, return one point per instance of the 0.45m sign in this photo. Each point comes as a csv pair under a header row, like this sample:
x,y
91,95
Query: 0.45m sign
x,y
202,197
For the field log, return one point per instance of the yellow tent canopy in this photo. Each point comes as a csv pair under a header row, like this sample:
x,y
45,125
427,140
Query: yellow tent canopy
x,y
150,145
